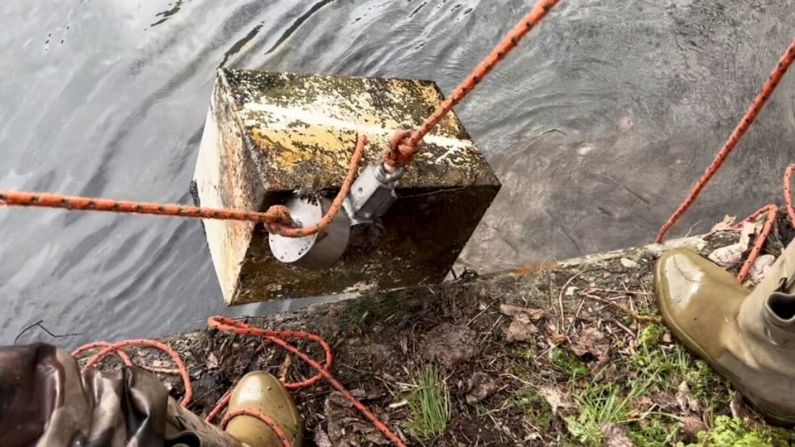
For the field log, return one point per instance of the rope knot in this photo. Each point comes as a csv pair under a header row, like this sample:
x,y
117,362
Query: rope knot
x,y
401,150
277,217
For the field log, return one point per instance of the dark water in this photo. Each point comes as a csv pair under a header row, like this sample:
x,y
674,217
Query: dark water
x,y
597,127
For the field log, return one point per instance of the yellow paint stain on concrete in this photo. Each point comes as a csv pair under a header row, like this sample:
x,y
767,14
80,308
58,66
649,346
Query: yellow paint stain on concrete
x,y
326,148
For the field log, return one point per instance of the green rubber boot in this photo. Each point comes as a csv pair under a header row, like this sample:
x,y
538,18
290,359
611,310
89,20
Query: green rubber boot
x,y
749,338
263,392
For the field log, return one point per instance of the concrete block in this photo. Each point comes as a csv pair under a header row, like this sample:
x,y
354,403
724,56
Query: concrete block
x,y
268,135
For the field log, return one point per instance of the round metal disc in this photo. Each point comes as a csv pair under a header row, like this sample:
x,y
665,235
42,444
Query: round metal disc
x,y
316,251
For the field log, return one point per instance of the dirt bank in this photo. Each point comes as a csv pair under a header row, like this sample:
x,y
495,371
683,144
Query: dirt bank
x,y
563,354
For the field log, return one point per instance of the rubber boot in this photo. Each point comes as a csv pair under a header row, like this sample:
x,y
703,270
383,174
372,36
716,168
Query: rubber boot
x,y
748,338
263,392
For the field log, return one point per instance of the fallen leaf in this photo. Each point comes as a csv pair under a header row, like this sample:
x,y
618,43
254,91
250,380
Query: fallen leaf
x,y
481,387
557,338
322,439
404,345
616,436
665,401
520,331
727,224
640,405
532,314
731,255
759,268
345,428
591,341
685,399
212,361
691,426
738,408
556,398
747,231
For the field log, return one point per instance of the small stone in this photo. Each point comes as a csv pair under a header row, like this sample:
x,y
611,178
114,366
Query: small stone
x,y
481,387
629,263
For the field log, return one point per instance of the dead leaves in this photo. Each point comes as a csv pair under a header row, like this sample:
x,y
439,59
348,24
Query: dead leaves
x,y
691,426
592,341
531,314
616,436
521,327
685,399
346,427
759,268
731,255
556,398
727,224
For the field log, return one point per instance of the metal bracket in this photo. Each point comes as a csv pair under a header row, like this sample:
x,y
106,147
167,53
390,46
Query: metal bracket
x,y
372,194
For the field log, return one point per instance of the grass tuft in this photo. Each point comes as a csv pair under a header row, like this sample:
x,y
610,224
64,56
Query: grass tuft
x,y
429,405
599,404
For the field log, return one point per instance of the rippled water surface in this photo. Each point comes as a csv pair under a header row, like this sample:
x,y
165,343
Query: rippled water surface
x,y
597,126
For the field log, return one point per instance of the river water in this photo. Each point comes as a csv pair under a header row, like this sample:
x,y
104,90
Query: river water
x,y
596,126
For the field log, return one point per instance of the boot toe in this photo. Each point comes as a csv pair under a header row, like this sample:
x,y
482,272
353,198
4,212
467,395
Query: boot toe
x,y
696,298
265,393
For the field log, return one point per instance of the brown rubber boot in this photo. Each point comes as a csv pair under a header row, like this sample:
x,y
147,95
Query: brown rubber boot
x,y
263,392
749,338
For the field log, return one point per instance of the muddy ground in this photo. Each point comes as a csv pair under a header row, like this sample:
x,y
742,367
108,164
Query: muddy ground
x,y
560,354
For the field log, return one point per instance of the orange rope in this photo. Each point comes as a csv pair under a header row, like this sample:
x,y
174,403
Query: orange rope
x,y
256,414
117,348
770,212
276,218
788,193
225,324
278,338
759,102
405,143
